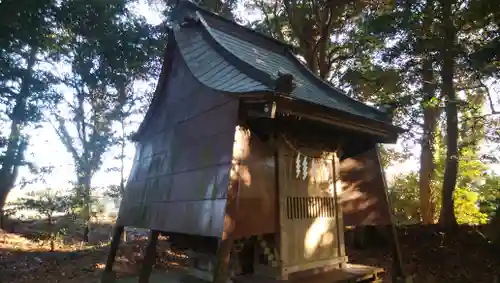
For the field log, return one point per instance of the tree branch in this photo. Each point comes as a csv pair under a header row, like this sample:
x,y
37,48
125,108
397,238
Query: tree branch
x,y
490,99
65,137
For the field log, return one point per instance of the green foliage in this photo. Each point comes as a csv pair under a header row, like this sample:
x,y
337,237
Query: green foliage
x,y
107,54
26,43
108,49
48,204
474,197
391,156
114,191
467,207
404,198
490,195
314,27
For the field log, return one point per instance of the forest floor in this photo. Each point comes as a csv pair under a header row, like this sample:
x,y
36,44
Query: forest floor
x,y
429,255
432,256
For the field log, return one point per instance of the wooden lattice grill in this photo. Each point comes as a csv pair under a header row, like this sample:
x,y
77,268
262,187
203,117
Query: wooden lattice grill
x,y
310,207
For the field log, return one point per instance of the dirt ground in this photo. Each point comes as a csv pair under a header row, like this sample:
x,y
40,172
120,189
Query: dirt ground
x,y
433,256
430,255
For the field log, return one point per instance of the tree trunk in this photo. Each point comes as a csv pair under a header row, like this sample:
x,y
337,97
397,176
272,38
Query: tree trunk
x,y
3,198
431,113
447,218
494,224
122,158
51,233
84,195
14,153
427,151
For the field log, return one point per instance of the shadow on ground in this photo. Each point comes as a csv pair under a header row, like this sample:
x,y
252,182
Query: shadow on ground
x,y
432,255
436,256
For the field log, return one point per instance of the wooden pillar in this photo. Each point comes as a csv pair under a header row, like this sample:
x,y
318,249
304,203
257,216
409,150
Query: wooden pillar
x,y
283,255
223,256
221,269
108,275
398,274
339,215
149,257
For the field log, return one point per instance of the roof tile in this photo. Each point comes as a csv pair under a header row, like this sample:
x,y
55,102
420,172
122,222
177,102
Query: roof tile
x,y
219,56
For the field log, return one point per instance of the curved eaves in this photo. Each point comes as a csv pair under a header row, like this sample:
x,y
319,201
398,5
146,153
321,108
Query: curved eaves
x,y
310,88
161,84
246,67
209,67
373,112
270,63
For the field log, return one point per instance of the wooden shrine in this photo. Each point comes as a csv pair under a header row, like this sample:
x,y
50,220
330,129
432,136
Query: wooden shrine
x,y
249,162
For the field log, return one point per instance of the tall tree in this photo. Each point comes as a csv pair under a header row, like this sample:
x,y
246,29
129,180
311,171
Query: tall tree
x,y
447,54
430,109
26,41
316,28
420,38
225,8
130,105
470,188
483,17
405,51
465,28
108,48
403,35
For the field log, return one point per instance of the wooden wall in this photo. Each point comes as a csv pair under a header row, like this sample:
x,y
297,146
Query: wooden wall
x,y
309,216
180,173
257,205
363,198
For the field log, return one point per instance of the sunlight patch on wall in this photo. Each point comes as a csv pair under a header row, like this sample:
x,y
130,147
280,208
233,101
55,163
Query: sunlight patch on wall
x,y
319,234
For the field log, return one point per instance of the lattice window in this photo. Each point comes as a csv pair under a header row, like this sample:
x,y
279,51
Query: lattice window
x,y
310,207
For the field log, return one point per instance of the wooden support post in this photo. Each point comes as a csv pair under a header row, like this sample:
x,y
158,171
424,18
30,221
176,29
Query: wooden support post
x,y
283,255
398,274
223,256
149,257
221,270
339,215
108,275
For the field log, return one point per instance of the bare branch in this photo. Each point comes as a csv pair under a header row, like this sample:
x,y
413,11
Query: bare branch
x,y
490,99
65,137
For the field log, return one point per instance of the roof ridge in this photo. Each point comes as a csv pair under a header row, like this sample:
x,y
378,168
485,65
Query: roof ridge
x,y
192,4
245,67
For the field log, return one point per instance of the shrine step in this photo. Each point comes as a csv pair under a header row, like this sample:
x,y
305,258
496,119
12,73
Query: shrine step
x,y
350,274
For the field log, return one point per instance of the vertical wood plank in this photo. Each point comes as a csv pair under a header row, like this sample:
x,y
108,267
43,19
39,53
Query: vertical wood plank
x,y
281,206
108,275
338,210
149,257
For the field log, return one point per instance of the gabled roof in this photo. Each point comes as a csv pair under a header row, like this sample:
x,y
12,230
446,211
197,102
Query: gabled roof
x,y
231,58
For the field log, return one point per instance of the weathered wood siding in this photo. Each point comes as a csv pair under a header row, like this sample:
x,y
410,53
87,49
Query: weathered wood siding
x,y
309,217
180,173
257,212
363,198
